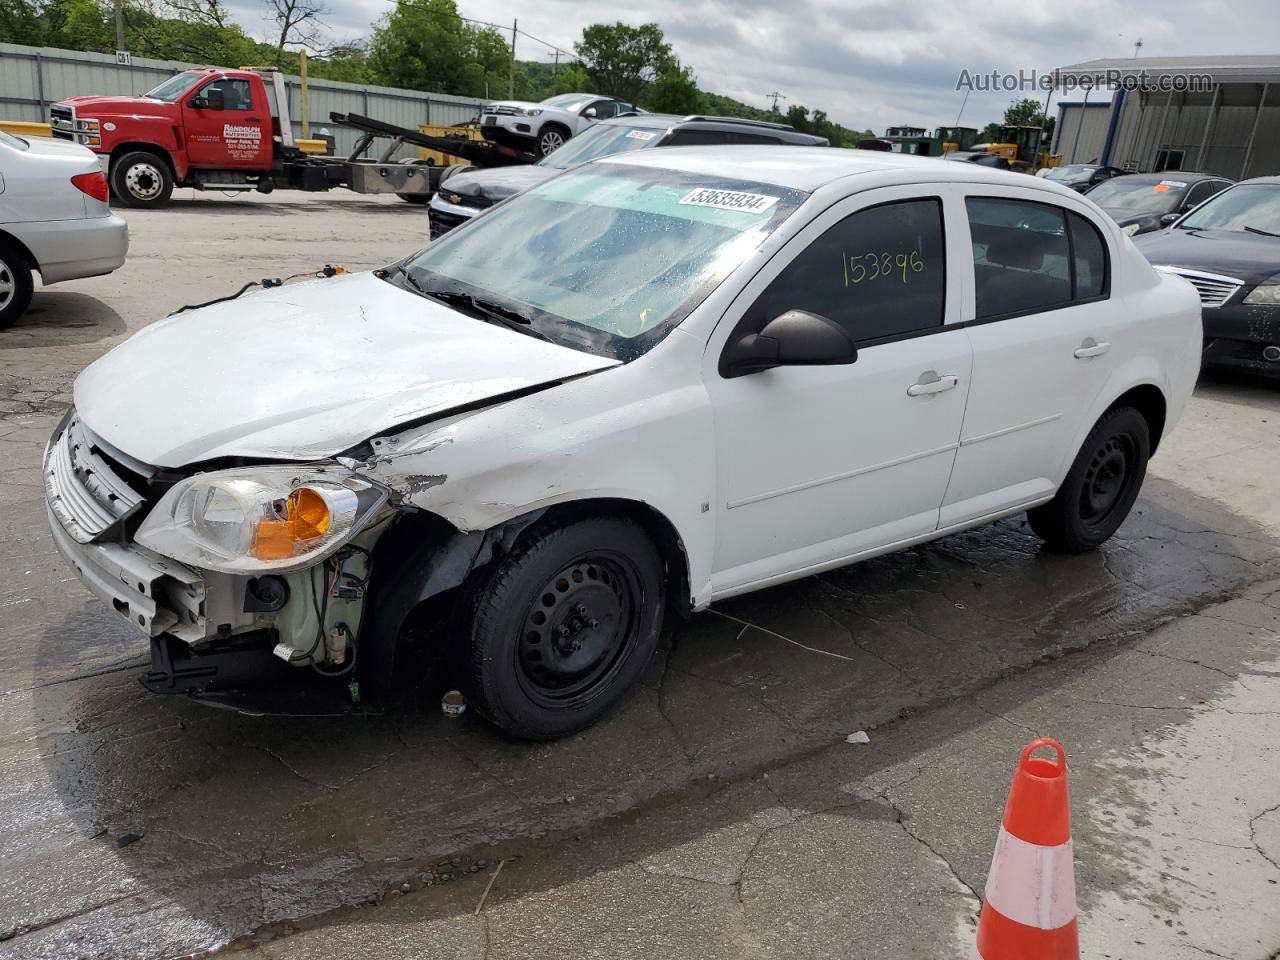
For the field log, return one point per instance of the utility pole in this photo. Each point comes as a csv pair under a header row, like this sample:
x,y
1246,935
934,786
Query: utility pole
x,y
555,68
511,69
1136,47
119,5
775,97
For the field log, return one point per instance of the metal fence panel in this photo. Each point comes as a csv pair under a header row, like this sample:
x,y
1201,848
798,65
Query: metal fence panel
x,y
32,78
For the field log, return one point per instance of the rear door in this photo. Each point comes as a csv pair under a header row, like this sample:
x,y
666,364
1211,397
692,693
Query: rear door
x,y
1045,337
228,125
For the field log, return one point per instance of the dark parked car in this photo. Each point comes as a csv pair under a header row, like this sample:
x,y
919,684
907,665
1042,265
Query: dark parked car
x,y
978,157
467,192
1143,202
1229,249
1080,176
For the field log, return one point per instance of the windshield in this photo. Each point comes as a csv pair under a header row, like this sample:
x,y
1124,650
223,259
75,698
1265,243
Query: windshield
x,y
175,87
1139,196
11,141
1075,171
567,101
607,258
600,141
1248,207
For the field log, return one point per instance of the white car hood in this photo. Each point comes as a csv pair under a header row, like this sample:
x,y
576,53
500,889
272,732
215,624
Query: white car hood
x,y
304,372
48,147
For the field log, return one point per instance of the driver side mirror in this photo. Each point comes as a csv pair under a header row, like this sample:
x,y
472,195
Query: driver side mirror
x,y
1169,218
204,103
796,338
589,113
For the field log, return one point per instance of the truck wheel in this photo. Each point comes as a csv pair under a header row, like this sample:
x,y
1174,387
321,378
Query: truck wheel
x,y
563,626
551,138
141,179
15,284
1100,487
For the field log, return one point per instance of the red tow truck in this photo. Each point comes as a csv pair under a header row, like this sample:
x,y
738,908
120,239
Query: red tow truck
x,y
215,129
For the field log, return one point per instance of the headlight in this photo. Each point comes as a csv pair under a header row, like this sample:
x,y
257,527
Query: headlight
x,y
87,125
530,111
261,518
1130,230
1266,293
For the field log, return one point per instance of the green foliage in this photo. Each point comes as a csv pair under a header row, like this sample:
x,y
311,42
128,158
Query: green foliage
x,y
624,61
426,46
1025,112
676,91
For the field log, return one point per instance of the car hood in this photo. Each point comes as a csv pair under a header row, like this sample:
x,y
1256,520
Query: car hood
x,y
513,103
1246,256
51,149
304,372
497,183
128,105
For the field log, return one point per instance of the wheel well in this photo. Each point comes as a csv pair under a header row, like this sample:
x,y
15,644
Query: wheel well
x,y
18,245
553,123
657,526
1148,401
159,152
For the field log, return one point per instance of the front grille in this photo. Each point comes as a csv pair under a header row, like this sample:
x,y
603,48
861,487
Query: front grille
x,y
442,223
62,122
85,486
496,108
1214,289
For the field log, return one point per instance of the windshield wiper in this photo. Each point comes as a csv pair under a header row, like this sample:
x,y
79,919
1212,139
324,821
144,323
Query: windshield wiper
x,y
489,310
413,281
1261,233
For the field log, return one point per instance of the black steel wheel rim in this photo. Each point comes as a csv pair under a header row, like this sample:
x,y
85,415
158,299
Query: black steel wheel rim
x,y
1107,479
579,630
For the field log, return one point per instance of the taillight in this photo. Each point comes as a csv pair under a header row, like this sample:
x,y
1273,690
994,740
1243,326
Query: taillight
x,y
94,184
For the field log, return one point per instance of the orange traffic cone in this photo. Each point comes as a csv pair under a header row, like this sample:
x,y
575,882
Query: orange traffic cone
x,y
1029,906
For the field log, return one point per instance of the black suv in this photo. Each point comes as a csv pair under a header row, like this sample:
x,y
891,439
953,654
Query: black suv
x,y
465,191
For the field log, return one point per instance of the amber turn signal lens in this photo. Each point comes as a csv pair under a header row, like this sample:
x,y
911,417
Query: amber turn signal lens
x,y
309,515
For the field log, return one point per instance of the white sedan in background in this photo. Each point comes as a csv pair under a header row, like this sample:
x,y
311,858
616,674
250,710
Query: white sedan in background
x,y
656,381
54,218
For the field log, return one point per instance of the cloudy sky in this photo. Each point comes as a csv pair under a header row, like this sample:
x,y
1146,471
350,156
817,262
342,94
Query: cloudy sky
x,y
870,63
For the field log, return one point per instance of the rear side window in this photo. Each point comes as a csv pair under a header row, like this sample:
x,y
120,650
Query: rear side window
x,y
696,138
751,138
880,273
1029,257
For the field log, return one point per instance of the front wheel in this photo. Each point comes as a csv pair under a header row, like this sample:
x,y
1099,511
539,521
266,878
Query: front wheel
x,y
1101,486
141,179
15,284
550,140
563,626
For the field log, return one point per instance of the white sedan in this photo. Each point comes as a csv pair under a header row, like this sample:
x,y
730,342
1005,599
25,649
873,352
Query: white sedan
x,y
643,385
543,127
54,219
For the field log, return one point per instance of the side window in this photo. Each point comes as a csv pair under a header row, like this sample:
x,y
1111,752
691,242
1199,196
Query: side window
x,y
1089,258
879,273
1201,192
605,109
696,138
233,94
1024,259
751,138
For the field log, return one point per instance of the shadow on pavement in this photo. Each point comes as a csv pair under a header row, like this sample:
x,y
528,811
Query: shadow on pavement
x,y
149,827
59,317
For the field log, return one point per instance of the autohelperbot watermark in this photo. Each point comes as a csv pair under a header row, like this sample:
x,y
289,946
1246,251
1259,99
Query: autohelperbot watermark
x,y
1024,80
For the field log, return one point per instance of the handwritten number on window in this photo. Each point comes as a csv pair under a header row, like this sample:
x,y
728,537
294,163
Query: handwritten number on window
x,y
872,266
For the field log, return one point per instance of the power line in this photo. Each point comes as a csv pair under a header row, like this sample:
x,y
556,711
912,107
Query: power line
x,y
482,23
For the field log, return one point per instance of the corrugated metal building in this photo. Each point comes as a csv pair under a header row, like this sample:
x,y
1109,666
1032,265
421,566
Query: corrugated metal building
x,y
1231,126
32,78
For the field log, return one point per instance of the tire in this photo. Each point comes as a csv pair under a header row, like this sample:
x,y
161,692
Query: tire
x,y
1101,486
418,198
563,626
15,284
550,138
142,180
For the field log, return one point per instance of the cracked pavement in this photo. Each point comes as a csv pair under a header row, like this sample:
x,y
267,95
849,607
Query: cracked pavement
x,y
718,812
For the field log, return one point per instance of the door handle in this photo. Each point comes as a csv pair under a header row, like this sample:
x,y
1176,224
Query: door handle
x,y
930,383
1091,348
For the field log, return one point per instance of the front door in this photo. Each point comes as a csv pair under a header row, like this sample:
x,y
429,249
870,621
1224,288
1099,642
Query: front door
x,y
228,125
1045,336
816,465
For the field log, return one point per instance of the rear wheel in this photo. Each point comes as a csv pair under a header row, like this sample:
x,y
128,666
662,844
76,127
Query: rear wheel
x,y
1101,486
141,179
563,626
15,284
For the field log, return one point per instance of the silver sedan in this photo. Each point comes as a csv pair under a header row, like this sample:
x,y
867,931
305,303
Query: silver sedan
x,y
54,219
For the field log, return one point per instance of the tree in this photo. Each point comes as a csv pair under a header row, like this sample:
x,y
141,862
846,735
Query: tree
x,y
425,45
297,22
676,91
624,61
1023,113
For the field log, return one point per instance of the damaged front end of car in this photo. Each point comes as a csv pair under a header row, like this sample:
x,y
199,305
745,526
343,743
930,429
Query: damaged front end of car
x,y
268,588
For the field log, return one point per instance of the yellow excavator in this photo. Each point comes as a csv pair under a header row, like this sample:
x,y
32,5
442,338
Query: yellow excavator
x,y
1021,146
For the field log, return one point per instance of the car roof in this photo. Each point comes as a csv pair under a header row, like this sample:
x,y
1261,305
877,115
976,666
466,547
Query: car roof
x,y
1189,176
1275,181
808,168
668,121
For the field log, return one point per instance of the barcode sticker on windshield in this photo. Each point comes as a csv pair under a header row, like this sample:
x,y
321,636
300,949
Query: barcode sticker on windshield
x,y
728,200
641,134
